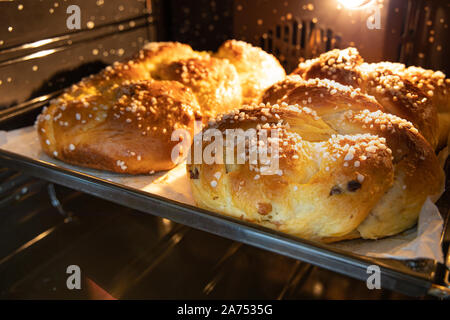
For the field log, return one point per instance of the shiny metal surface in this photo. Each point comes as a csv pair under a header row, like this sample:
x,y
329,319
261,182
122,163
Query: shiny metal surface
x,y
409,278
40,55
127,254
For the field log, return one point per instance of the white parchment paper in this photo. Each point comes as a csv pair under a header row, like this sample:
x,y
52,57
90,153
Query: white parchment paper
x,y
422,241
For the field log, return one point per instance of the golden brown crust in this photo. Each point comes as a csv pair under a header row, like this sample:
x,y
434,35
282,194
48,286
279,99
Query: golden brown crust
x,y
417,173
215,82
401,97
257,69
320,93
128,134
313,194
138,68
338,65
436,88
399,91
155,53
345,171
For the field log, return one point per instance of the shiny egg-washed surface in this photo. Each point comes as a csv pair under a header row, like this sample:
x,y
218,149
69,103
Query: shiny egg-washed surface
x,y
415,94
346,169
122,118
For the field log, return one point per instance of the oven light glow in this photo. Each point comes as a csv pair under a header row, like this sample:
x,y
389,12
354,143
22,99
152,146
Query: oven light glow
x,y
354,4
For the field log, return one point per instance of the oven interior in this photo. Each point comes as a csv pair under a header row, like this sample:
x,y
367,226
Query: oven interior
x,y
124,253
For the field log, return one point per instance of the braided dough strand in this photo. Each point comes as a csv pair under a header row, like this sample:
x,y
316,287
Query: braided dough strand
x,y
346,168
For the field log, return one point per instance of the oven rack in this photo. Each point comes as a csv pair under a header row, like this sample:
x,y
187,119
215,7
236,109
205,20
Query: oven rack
x,y
414,278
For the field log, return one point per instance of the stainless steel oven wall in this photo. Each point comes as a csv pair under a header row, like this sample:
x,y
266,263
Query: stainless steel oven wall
x,y
293,29
409,31
414,32
426,35
204,24
290,29
39,54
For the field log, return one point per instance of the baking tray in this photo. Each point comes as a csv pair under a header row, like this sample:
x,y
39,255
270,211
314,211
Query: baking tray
x,y
413,277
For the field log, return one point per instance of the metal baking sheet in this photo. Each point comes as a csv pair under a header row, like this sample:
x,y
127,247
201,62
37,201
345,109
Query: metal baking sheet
x,y
409,277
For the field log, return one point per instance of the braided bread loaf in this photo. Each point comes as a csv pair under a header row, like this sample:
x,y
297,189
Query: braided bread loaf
x,y
122,118
418,95
257,69
345,170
